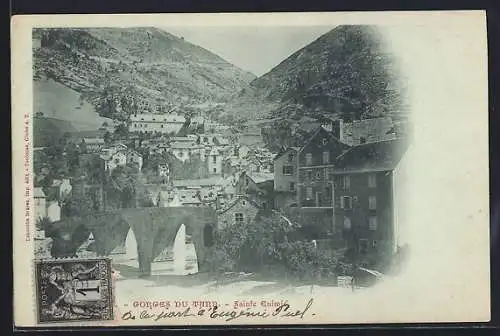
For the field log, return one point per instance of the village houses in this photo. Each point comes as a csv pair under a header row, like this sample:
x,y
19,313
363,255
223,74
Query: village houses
x,y
120,155
349,190
240,210
156,123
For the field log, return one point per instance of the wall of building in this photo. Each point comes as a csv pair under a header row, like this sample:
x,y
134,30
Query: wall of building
x,y
215,167
156,123
380,241
402,196
320,143
318,181
244,207
282,181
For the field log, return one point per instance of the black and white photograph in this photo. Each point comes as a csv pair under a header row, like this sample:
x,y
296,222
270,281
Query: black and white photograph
x,y
237,166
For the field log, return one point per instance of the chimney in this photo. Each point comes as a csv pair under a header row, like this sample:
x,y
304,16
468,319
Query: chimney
x,y
338,129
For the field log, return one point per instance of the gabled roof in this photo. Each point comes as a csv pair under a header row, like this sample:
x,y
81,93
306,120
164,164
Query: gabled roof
x,y
261,177
376,156
237,200
284,151
328,134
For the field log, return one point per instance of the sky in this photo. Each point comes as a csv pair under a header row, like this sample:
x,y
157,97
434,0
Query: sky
x,y
255,49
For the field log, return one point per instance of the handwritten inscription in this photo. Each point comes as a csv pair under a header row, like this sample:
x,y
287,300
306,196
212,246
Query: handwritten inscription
x,y
283,310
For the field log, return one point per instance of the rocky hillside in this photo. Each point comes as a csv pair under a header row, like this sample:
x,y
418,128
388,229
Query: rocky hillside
x,y
346,71
119,70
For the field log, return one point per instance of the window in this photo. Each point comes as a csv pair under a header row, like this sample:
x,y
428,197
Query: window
x,y
318,175
309,159
214,159
292,186
290,157
309,192
238,217
325,141
372,202
346,182
330,173
372,180
287,170
374,244
346,202
347,223
326,157
328,193
215,170
363,246
309,174
372,223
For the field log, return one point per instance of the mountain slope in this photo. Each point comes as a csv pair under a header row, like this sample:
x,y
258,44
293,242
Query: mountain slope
x,y
346,71
123,70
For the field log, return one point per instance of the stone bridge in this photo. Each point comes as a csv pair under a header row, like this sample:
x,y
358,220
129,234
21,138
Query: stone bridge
x,y
154,229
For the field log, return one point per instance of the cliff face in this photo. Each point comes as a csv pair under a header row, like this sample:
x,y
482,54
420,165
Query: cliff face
x,y
347,71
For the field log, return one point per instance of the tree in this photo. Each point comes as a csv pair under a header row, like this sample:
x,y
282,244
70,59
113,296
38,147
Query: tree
x,y
43,223
107,137
78,205
121,130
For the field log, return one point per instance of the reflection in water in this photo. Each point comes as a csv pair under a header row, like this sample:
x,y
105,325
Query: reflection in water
x,y
130,246
180,251
179,259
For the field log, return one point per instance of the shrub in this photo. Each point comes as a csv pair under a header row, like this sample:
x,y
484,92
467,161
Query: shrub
x,y
43,223
265,245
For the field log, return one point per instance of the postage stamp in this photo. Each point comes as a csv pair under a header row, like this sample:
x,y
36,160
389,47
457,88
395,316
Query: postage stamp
x,y
74,290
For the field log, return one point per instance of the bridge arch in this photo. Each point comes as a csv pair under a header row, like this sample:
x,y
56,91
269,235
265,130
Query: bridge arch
x,y
154,230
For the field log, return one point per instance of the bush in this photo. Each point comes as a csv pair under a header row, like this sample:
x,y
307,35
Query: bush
x,y
265,245
43,224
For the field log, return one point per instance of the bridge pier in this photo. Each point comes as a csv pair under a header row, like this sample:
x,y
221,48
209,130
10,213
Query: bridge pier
x,y
144,265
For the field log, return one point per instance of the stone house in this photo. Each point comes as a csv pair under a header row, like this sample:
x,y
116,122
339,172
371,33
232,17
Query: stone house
x,y
240,210
314,160
368,178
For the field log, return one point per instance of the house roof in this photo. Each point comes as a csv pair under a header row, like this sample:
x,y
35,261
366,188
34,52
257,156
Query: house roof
x,y
93,140
188,138
213,181
376,156
372,130
319,130
183,145
286,150
237,200
261,177
172,118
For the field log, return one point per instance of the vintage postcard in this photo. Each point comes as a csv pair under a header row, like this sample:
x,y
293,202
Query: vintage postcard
x,y
226,169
